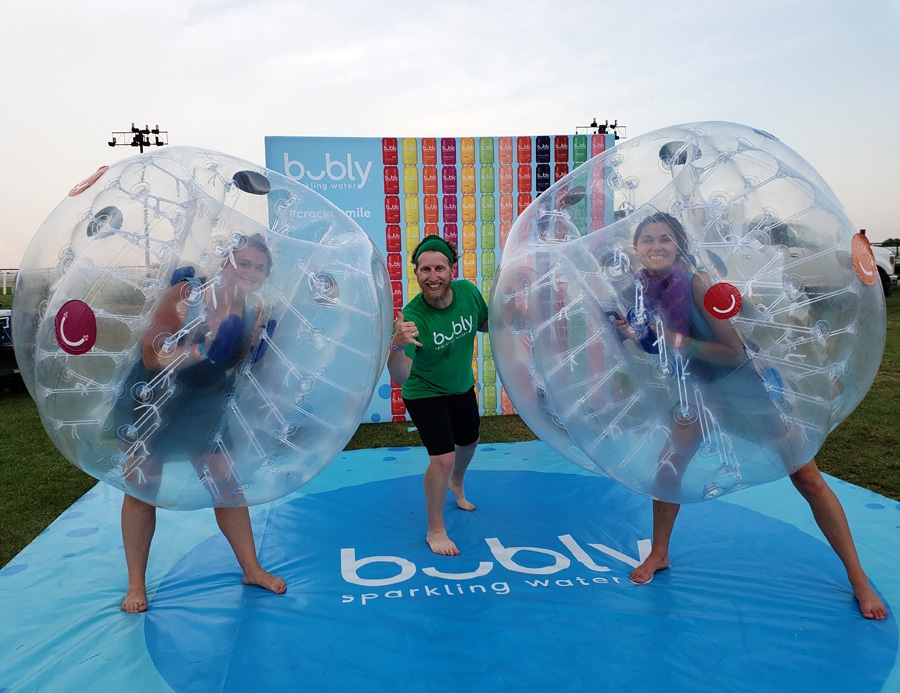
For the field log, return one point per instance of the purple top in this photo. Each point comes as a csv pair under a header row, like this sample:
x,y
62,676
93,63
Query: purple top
x,y
669,295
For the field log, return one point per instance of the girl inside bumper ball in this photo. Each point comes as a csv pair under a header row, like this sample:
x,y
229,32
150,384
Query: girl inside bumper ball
x,y
173,406
675,290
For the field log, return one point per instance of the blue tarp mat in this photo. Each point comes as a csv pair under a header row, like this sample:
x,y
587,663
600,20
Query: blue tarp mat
x,y
540,597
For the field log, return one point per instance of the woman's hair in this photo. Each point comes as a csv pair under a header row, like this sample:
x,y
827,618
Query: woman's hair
x,y
677,230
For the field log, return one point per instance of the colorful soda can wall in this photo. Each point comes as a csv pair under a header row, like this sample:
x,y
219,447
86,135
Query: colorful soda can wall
x,y
469,190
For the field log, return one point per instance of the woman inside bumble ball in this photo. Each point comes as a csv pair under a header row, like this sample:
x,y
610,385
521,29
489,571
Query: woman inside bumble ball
x,y
201,366
676,290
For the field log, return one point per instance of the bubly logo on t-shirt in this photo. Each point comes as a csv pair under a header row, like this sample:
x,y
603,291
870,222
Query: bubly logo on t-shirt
x,y
459,328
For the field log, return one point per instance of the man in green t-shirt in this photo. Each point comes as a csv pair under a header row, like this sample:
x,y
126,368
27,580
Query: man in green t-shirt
x,y
431,357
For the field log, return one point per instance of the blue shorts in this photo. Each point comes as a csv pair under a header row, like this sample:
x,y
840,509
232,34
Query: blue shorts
x,y
445,421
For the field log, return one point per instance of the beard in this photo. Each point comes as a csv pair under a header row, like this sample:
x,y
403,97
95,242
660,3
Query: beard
x,y
436,295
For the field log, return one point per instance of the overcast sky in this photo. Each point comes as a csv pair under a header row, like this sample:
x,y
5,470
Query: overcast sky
x,y
821,75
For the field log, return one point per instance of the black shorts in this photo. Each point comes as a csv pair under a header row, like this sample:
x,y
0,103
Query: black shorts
x,y
445,421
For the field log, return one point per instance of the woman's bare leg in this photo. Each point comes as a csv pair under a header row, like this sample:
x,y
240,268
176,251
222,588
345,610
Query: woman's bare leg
x,y
664,515
682,445
138,527
829,515
235,525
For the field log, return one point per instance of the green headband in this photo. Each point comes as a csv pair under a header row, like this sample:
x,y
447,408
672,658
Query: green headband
x,y
437,243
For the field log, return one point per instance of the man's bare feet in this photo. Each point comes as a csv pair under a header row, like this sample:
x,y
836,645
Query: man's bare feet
x,y
460,495
135,600
441,544
261,578
870,605
645,571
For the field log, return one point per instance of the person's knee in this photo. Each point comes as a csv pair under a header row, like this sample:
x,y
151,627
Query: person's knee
x,y
470,446
128,499
442,463
231,512
808,480
135,506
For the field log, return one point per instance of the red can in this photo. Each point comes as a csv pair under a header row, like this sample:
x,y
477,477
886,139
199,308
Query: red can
x,y
397,406
523,149
523,201
395,266
523,178
561,148
393,238
389,151
392,209
391,180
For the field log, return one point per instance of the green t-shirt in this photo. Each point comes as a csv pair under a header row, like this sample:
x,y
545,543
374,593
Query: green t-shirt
x,y
443,364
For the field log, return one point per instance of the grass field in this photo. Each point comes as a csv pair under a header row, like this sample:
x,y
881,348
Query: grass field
x,y
37,484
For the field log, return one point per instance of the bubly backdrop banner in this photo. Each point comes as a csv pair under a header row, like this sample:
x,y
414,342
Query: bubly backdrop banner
x,y
467,189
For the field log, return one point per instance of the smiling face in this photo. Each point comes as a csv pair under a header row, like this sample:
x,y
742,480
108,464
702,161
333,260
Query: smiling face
x,y
433,273
656,247
250,269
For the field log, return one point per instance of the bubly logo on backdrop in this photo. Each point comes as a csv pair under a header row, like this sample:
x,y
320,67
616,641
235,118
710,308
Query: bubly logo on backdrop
x,y
343,172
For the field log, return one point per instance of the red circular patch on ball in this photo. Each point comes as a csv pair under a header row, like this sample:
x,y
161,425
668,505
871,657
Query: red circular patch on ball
x,y
863,259
722,301
76,327
87,182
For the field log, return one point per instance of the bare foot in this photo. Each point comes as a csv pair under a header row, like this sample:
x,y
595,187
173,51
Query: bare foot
x,y
135,600
261,578
441,544
645,571
460,495
870,605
